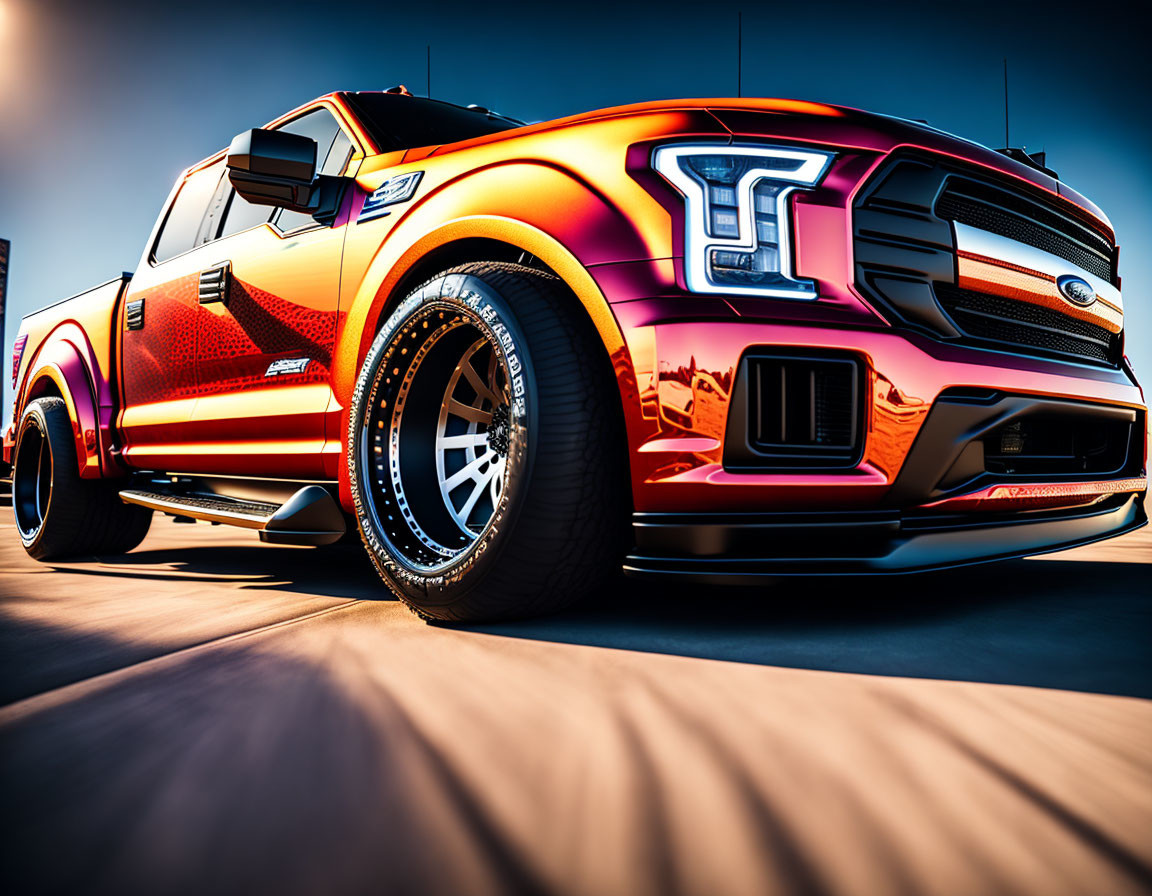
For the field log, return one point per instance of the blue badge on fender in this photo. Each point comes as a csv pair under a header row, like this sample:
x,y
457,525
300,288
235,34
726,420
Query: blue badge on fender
x,y
396,189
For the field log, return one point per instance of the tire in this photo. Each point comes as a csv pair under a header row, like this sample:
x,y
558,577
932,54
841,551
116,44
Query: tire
x,y
538,514
58,514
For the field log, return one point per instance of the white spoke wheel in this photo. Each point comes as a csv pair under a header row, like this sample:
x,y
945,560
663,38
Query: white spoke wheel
x,y
472,439
438,440
487,484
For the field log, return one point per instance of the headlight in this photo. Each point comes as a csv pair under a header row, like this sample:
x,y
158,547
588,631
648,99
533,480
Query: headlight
x,y
738,232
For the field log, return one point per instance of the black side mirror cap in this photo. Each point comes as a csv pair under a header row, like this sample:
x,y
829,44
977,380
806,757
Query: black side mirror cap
x,y
274,168
277,154
277,168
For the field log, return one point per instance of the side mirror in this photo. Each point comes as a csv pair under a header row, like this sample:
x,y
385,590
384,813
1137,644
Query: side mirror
x,y
274,168
278,168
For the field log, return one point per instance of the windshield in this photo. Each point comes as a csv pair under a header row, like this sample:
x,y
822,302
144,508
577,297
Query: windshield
x,y
396,121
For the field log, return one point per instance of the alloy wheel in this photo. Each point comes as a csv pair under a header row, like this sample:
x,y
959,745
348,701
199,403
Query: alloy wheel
x,y
435,445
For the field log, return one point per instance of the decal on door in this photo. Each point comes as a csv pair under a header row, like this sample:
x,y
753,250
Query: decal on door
x,y
287,365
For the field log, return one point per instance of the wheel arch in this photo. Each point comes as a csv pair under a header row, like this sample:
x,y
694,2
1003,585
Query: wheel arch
x,y
457,242
60,369
479,238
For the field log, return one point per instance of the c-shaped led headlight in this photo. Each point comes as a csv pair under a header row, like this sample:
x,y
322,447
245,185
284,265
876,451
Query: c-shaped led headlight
x,y
737,227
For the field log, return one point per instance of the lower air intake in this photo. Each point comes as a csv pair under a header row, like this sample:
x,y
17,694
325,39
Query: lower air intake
x,y
795,411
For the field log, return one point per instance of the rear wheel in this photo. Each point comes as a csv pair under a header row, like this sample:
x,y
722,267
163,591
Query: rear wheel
x,y
486,448
58,514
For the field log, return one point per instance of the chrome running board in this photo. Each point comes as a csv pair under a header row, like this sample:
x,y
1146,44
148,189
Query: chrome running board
x,y
310,516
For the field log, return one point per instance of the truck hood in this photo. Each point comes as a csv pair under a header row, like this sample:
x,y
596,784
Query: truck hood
x,y
800,120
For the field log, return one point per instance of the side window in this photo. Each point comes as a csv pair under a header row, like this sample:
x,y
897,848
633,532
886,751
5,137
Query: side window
x,y
332,151
216,208
182,230
242,214
338,155
318,125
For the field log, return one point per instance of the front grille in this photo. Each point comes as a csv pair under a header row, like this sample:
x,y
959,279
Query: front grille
x,y
1016,217
993,319
905,250
795,411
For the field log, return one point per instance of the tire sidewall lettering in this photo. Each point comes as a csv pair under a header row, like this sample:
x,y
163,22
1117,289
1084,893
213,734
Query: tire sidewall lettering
x,y
476,299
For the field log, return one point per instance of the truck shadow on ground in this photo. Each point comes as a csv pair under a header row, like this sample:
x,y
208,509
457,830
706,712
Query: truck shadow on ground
x,y
1075,625
340,571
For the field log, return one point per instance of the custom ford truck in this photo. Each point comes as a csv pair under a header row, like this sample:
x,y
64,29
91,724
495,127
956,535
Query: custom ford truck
x,y
717,340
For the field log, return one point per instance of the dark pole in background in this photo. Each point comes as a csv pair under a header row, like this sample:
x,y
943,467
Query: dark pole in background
x,y
739,53
5,248
1007,142
429,81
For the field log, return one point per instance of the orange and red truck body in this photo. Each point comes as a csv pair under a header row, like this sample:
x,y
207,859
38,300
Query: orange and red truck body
x,y
941,395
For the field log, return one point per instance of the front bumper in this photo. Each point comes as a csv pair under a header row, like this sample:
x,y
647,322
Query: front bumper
x,y
934,479
748,548
679,404
908,504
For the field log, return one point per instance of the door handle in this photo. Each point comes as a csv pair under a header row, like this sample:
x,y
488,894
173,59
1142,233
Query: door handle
x,y
215,283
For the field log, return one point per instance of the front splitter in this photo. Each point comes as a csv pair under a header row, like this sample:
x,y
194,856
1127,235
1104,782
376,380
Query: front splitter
x,y
750,548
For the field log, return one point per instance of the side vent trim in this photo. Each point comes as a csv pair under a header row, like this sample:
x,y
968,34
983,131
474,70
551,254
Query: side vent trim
x,y
215,282
134,315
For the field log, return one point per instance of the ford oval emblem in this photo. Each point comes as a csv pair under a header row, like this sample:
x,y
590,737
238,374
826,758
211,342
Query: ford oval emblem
x,y
1076,290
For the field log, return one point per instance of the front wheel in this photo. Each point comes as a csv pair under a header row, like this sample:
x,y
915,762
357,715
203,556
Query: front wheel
x,y
486,448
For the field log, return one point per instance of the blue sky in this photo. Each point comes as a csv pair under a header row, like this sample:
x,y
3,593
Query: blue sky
x,y
101,105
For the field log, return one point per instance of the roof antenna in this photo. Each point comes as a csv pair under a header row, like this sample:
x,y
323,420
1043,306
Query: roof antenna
x,y
739,52
429,82
1036,160
1007,142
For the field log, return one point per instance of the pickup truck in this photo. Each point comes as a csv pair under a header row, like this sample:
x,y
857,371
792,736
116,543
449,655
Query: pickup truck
x,y
714,340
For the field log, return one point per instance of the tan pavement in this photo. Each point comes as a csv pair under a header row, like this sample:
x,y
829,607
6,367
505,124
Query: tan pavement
x,y
213,715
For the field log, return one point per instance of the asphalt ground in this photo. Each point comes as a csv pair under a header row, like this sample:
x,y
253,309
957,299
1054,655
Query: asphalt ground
x,y
209,714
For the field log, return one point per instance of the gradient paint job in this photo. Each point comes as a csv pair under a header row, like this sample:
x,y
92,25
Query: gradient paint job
x,y
1040,495
998,277
71,352
579,195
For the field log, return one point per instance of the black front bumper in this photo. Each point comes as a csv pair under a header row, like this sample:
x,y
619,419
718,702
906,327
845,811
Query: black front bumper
x,y
747,548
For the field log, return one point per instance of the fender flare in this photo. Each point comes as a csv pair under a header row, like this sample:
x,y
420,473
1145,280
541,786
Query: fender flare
x,y
373,302
61,363
574,225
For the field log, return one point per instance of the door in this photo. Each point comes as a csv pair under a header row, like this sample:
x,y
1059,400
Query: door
x,y
266,329
159,324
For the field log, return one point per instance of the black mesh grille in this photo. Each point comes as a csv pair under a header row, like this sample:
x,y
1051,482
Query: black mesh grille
x,y
1015,217
905,256
993,319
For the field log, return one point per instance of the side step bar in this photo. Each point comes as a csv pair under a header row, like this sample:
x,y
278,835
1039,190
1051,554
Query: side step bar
x,y
310,516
